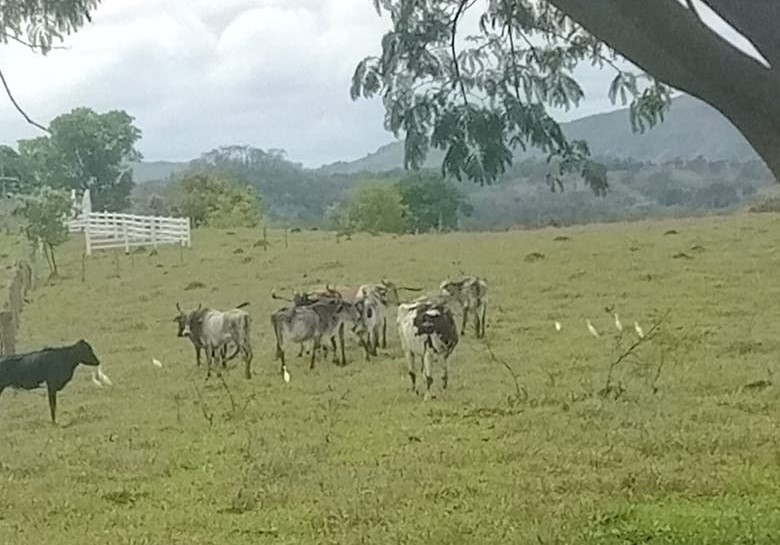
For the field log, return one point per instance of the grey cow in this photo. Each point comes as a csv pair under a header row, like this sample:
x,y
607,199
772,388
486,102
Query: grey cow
x,y
471,293
313,322
181,321
215,329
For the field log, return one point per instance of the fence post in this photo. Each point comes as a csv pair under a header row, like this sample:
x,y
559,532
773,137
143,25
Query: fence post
x,y
265,239
127,239
189,232
154,233
7,334
87,234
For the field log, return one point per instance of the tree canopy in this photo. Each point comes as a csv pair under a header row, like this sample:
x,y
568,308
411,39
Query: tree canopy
x,y
432,202
478,92
44,212
85,150
216,201
39,23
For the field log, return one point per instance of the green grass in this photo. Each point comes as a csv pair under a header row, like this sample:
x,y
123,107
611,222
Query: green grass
x,y
349,455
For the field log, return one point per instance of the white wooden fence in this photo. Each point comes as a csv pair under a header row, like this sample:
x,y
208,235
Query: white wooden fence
x,y
108,230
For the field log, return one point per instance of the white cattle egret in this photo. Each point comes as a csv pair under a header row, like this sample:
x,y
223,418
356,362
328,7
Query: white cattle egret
x,y
639,330
592,329
95,380
618,325
557,326
286,376
103,377
156,362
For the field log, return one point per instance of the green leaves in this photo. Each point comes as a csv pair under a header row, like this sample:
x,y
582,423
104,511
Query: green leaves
x,y
86,150
376,207
432,202
490,96
42,22
44,212
215,200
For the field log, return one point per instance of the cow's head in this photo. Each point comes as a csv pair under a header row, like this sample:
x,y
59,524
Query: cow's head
x,y
184,320
450,288
354,314
85,354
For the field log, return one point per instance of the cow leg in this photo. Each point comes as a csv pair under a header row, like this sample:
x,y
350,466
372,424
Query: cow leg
x,y
334,345
314,347
384,332
465,317
300,353
52,394
375,341
428,375
209,358
341,341
248,356
484,312
477,326
197,356
445,378
280,355
410,365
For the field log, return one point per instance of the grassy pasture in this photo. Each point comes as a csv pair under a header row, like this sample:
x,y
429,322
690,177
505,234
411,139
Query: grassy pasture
x,y
349,455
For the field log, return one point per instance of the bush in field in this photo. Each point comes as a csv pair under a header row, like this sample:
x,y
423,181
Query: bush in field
x,y
44,212
216,201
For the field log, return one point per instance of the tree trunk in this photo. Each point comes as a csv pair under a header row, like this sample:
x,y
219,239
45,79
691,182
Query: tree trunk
x,y
53,261
670,42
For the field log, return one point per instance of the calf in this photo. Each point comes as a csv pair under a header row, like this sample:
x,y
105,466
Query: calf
x,y
428,330
215,329
313,322
181,321
52,366
471,294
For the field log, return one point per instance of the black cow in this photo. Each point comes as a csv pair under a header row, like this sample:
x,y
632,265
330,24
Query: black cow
x,y
52,366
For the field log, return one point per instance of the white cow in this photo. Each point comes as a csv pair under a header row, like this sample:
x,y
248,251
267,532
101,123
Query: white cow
x,y
427,330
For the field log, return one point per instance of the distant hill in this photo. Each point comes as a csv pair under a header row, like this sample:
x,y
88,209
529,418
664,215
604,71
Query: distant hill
x,y
691,128
156,170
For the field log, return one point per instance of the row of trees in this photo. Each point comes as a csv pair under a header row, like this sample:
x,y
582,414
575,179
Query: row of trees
x,y
419,202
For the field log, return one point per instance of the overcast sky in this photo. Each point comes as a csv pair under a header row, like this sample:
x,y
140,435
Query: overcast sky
x,y
197,74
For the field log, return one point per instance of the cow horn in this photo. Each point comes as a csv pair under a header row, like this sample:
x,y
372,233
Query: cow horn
x,y
178,308
200,305
408,288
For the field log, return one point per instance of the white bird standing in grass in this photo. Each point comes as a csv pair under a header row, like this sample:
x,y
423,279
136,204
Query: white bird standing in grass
x,y
557,326
103,377
156,362
286,376
95,380
618,325
639,330
592,329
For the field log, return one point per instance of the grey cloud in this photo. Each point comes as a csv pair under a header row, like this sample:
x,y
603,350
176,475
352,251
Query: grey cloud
x,y
198,74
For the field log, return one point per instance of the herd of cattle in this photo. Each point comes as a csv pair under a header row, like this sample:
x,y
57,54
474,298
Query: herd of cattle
x,y
317,320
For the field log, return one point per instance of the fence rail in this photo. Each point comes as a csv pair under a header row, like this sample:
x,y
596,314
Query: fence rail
x,y
108,230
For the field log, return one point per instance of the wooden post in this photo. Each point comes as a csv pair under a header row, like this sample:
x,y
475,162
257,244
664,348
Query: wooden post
x,y
127,238
7,334
83,267
87,234
285,239
189,232
181,254
265,239
154,233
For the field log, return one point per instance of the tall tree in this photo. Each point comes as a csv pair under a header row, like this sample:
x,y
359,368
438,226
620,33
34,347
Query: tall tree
x,y
432,202
86,150
377,207
216,200
481,95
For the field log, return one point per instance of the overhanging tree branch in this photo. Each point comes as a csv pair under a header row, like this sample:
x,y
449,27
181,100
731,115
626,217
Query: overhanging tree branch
x,y
758,24
19,108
